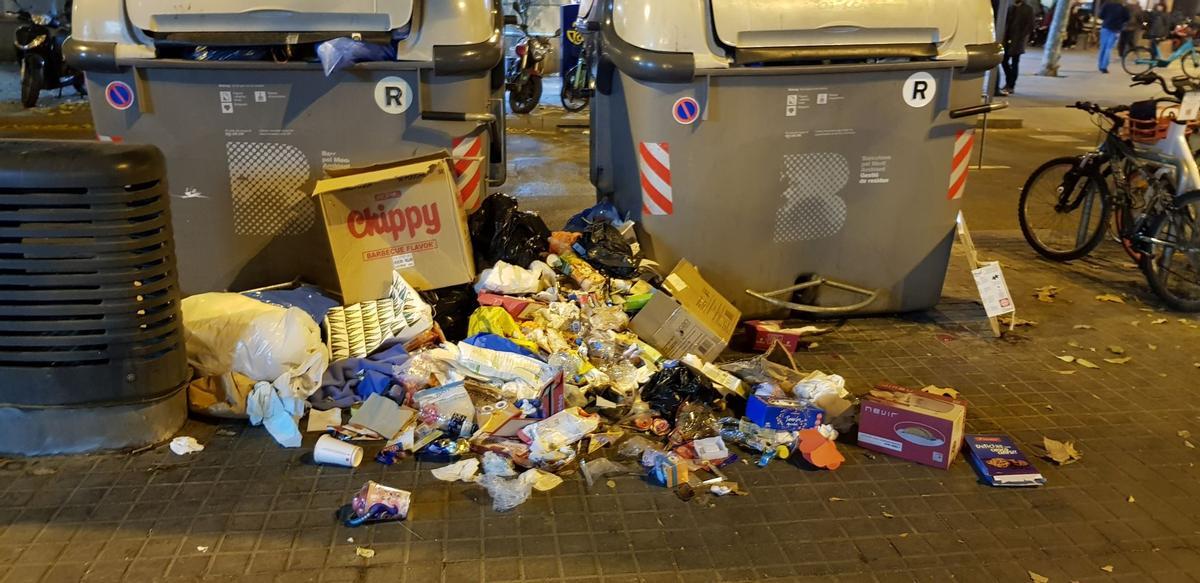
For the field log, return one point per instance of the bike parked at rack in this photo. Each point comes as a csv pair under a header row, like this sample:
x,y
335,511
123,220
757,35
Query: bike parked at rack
x,y
1144,176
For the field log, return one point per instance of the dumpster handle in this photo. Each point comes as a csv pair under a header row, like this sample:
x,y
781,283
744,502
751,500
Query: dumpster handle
x,y
982,109
769,297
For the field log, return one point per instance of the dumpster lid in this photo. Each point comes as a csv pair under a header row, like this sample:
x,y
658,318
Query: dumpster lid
x,y
806,23
162,16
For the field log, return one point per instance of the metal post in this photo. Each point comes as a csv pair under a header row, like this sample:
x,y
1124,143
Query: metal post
x,y
993,84
1054,39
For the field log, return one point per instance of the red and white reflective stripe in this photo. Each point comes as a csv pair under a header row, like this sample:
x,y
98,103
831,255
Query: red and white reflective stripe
x,y
467,155
654,166
110,139
960,163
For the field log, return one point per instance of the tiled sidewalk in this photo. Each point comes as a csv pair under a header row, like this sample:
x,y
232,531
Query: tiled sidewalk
x,y
264,513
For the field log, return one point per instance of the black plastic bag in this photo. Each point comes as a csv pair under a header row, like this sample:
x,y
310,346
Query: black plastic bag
x,y
673,385
606,250
501,232
452,308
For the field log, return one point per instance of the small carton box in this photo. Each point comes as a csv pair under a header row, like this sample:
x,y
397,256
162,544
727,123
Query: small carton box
x,y
782,414
401,217
694,318
919,427
763,334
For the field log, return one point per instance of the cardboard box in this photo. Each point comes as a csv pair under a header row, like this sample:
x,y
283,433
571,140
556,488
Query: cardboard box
x,y
919,427
764,333
399,217
693,318
782,414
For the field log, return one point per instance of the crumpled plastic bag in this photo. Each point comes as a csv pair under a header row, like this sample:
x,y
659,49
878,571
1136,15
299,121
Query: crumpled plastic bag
x,y
508,493
492,320
501,232
506,278
604,248
818,384
342,52
602,212
603,467
673,385
278,410
452,306
634,446
695,421
227,332
495,464
459,471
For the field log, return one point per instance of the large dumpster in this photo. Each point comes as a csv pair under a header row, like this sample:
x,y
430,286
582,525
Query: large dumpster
x,y
248,120
784,142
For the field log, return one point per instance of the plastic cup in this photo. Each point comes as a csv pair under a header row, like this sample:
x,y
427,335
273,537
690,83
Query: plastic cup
x,y
330,450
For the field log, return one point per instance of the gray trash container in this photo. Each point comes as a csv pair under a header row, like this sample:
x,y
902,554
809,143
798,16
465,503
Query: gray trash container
x,y
246,140
784,141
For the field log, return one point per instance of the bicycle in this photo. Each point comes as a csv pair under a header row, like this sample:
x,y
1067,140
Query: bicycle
x,y
1153,202
1138,60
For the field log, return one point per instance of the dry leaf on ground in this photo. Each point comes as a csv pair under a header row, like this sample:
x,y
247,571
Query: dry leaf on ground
x,y
1066,371
1189,444
888,515
1074,344
1118,360
1084,327
1046,293
941,391
1152,346
1184,433
1086,363
1107,568
1066,358
1114,298
1130,499
836,499
1035,578
364,552
1159,321
1061,453
1116,349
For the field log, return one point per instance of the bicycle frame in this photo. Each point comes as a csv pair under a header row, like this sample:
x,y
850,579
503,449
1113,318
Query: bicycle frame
x,y
1156,57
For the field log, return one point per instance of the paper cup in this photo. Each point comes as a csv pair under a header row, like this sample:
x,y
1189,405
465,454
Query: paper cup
x,y
330,450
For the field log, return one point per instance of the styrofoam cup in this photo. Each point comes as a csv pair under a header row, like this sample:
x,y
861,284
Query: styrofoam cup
x,y
330,450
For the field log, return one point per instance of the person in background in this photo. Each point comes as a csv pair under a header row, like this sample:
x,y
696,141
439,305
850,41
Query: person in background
x,y
1158,25
1113,17
1017,29
1075,17
1133,28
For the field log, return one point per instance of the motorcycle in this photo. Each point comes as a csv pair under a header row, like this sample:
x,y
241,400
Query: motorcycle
x,y
524,71
39,42
579,85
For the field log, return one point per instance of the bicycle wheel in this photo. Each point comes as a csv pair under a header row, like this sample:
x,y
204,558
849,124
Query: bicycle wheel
x,y
1191,64
1172,265
1137,60
572,98
1063,213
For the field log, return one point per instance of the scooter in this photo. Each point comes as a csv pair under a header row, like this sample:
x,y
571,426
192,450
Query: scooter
x,y
524,77
39,42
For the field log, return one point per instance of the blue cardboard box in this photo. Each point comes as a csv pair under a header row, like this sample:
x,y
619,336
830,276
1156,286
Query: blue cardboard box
x,y
783,414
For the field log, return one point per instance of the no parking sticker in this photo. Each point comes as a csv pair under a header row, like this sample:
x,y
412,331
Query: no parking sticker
x,y
119,95
686,110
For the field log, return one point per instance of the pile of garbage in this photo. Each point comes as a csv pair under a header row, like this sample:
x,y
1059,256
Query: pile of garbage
x,y
532,374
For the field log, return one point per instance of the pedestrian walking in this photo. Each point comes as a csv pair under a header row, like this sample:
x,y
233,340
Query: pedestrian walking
x,y
1113,17
1017,30
1133,28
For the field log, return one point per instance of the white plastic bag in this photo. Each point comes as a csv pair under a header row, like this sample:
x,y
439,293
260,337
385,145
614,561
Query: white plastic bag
x,y
228,332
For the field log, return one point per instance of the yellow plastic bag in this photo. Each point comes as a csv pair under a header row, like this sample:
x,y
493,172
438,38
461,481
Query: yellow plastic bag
x,y
496,320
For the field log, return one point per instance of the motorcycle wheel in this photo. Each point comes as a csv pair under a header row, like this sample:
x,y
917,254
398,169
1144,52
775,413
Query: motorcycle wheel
x,y
571,101
525,96
31,84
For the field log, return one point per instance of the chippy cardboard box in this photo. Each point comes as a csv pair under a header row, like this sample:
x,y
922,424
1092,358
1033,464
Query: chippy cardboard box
x,y
396,217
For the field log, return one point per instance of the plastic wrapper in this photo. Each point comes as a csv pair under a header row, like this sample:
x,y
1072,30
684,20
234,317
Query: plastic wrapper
x,y
506,278
495,464
518,377
448,407
507,493
604,248
579,270
673,385
342,52
227,332
634,447
452,307
607,318
695,421
601,468
563,316
818,386
377,503
501,232
206,53
754,437
565,428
